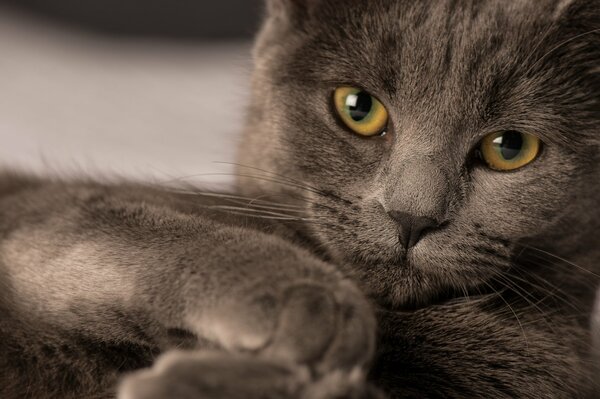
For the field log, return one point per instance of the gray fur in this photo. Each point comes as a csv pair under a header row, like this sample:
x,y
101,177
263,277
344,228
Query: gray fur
x,y
268,286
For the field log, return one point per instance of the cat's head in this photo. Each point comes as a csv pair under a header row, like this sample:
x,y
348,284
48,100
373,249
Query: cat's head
x,y
427,138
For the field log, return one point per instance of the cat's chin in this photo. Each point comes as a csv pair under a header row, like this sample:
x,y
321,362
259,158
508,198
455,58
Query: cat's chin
x,y
408,286
447,298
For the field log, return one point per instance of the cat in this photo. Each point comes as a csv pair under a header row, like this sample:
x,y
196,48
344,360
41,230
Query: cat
x,y
416,215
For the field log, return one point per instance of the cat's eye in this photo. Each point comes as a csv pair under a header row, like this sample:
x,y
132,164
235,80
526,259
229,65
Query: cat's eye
x,y
509,150
359,111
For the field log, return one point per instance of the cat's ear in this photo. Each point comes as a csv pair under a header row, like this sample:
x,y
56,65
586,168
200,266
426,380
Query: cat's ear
x,y
577,26
293,10
579,13
282,17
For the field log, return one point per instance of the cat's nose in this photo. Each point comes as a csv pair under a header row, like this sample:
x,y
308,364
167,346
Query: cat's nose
x,y
412,228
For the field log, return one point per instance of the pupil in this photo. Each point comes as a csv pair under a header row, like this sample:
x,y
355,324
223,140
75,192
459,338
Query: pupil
x,y
359,105
511,145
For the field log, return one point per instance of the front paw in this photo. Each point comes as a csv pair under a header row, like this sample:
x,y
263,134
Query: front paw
x,y
322,326
326,328
212,375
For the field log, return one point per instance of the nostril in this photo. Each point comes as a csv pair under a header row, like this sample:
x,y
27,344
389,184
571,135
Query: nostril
x,y
412,227
420,225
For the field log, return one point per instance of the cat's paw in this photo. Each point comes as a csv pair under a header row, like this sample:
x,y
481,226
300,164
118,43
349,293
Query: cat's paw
x,y
212,375
323,326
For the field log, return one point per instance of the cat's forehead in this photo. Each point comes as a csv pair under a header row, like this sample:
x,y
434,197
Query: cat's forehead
x,y
435,19
462,59
390,43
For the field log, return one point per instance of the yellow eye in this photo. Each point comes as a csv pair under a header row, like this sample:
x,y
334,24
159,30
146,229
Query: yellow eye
x,y
509,150
360,111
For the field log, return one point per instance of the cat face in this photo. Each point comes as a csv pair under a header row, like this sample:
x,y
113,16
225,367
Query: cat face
x,y
411,206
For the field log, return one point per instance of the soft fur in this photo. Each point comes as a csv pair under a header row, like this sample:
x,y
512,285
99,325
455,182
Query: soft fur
x,y
277,287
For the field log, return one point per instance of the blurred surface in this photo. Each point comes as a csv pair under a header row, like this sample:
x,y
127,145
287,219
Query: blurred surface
x,y
73,103
180,19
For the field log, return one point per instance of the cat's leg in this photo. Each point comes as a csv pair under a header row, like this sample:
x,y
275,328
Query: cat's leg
x,y
121,268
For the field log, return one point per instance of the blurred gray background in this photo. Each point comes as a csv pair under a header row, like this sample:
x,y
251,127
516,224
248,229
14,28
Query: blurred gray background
x,y
148,89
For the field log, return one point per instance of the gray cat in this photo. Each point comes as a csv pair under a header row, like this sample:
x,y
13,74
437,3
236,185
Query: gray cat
x,y
416,215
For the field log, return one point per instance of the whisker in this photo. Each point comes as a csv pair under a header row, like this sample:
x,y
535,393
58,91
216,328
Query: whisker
x,y
256,205
240,199
289,179
554,290
465,292
270,207
512,310
264,178
258,216
269,179
517,289
247,209
561,259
